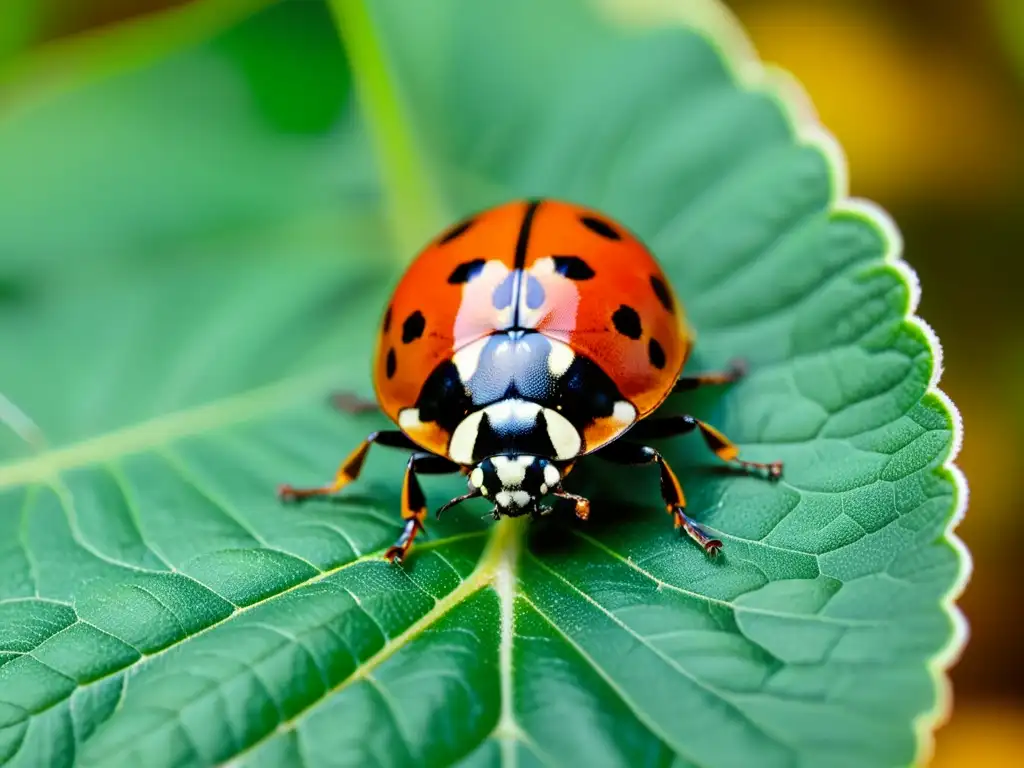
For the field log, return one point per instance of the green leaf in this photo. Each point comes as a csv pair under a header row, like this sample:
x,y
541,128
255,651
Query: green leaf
x,y
183,280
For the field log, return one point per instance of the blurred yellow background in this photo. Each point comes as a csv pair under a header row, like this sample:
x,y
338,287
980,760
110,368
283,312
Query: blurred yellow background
x,y
946,160
927,98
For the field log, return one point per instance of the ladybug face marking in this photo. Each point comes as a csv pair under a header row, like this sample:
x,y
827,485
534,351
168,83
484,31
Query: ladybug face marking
x,y
511,427
517,391
514,483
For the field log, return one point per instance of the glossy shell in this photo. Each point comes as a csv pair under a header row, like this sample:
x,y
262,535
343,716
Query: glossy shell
x,y
530,307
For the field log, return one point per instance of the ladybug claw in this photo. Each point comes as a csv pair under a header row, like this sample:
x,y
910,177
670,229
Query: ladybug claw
x,y
394,554
775,470
713,547
286,493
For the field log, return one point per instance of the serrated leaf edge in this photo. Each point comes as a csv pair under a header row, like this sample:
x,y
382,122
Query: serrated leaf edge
x,y
720,27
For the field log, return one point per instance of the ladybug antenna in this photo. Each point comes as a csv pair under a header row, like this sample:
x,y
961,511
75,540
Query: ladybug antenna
x,y
458,500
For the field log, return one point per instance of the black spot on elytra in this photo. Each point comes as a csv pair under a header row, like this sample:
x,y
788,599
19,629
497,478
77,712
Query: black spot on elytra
x,y
392,364
573,267
627,322
600,227
656,354
413,327
456,231
466,271
534,293
661,291
386,325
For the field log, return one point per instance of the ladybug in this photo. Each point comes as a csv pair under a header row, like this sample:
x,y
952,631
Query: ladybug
x,y
520,340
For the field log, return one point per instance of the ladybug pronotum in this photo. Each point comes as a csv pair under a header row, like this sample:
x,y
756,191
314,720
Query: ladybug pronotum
x,y
520,340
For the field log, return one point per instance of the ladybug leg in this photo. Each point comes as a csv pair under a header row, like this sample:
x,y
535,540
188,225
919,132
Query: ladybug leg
x,y
414,503
350,467
723,447
671,490
581,504
736,371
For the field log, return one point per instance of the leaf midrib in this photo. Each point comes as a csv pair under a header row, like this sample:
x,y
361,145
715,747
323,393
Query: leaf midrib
x,y
497,564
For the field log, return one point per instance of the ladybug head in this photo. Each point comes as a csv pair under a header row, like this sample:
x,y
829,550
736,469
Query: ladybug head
x,y
514,482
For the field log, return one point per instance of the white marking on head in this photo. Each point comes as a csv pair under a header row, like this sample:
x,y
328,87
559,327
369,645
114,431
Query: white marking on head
x,y
512,410
551,475
525,410
624,412
560,358
499,411
499,461
563,435
476,477
503,498
526,460
510,473
460,449
468,358
521,498
543,488
409,418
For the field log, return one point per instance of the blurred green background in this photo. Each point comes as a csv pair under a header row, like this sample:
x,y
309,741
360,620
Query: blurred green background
x,y
925,96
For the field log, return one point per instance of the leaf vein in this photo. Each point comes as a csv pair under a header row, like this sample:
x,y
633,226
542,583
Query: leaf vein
x,y
670,662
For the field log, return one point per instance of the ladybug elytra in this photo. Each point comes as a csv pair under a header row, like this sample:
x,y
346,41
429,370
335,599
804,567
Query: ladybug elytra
x,y
520,340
